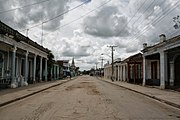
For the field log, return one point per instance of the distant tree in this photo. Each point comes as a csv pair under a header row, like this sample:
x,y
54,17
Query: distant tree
x,y
50,63
50,59
77,69
176,20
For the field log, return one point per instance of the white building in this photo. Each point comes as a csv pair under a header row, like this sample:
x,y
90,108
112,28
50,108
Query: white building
x,y
162,63
22,61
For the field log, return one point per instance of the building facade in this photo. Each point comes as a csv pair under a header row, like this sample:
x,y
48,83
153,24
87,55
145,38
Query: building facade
x,y
22,61
128,70
162,63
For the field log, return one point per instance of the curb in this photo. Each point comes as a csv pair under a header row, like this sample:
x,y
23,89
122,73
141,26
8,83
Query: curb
x,y
150,96
33,93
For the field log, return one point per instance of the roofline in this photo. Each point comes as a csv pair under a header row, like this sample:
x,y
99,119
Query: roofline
x,y
7,30
161,43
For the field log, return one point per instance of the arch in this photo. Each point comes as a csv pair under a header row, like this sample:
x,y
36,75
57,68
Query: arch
x,y
175,57
177,71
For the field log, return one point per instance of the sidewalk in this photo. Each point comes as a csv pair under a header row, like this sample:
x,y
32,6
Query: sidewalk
x,y
11,95
169,97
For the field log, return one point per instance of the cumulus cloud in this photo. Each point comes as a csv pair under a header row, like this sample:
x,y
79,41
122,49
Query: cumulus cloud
x,y
35,14
89,36
77,46
108,22
154,18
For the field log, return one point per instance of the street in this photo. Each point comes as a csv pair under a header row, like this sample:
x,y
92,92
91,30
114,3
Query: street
x,y
88,98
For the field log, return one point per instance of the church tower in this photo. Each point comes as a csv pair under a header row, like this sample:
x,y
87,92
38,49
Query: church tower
x,y
73,64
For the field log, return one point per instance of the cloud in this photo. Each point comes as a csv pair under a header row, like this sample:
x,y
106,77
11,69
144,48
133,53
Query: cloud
x,y
87,38
108,22
77,46
35,14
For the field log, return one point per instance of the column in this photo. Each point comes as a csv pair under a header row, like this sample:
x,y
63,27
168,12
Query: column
x,y
40,72
13,81
163,69
172,73
34,71
134,73
118,73
144,70
26,69
46,73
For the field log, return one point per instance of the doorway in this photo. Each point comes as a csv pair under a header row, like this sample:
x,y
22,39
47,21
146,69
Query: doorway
x,y
177,71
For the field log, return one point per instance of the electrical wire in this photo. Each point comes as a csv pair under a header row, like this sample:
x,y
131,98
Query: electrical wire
x,y
46,21
143,12
155,21
133,16
80,17
29,5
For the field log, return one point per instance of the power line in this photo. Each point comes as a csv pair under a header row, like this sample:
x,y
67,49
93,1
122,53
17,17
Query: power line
x,y
57,15
157,20
144,12
82,16
2,12
137,11
133,16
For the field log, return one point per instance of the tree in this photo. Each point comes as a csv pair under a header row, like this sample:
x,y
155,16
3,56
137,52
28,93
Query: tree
x,y
50,64
176,20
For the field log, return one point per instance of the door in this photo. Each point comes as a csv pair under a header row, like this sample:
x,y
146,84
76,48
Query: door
x,y
154,70
23,67
177,71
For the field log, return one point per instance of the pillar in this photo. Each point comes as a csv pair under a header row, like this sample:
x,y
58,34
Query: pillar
x,y
134,73
172,73
13,81
26,69
34,71
46,73
144,70
163,69
118,73
40,72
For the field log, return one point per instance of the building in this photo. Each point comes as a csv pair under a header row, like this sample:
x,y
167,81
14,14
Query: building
x,y
64,68
162,63
135,68
128,70
73,68
56,71
107,71
22,61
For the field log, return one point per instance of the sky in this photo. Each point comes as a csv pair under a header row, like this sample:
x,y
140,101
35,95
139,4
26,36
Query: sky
x,y
84,28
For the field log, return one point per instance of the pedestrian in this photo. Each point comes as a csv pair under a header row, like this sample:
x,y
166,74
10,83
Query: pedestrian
x,y
70,76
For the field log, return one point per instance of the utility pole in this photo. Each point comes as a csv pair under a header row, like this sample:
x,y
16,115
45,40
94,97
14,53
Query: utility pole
x,y
96,65
42,35
27,32
101,65
112,55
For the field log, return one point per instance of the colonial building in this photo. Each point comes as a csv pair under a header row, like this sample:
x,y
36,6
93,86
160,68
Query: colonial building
x,y
135,68
162,63
107,71
128,70
64,68
22,61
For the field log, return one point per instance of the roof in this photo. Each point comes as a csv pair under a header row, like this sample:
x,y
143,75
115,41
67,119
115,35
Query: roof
x,y
7,30
161,44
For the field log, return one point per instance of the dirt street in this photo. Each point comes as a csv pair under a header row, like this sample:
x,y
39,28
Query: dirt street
x,y
88,98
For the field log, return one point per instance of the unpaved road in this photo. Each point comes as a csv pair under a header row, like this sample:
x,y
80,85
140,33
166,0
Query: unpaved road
x,y
87,98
